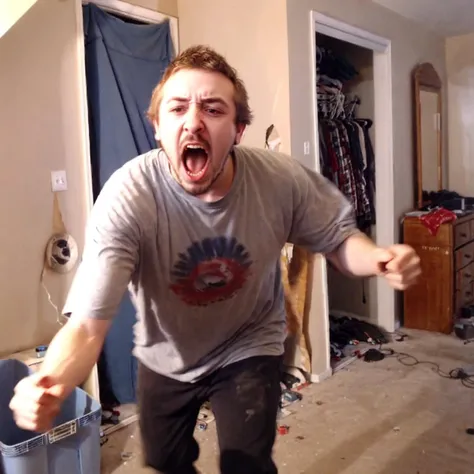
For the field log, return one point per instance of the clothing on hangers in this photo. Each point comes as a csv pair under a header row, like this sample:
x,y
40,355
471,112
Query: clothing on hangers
x,y
346,152
350,164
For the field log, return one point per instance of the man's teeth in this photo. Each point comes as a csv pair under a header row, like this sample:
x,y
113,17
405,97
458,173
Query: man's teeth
x,y
195,174
195,147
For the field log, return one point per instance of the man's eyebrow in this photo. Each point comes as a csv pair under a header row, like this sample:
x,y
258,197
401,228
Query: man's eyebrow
x,y
177,99
206,101
214,100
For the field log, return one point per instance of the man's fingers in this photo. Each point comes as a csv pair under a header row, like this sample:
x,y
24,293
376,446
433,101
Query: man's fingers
x,y
401,281
30,415
36,403
404,262
34,423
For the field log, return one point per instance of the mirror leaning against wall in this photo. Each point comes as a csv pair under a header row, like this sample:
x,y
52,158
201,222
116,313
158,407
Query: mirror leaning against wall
x,y
428,126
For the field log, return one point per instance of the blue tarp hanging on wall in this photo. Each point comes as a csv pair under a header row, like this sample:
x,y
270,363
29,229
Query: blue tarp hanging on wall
x,y
124,62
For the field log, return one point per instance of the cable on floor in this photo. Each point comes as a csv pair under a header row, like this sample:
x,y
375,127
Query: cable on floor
x,y
408,360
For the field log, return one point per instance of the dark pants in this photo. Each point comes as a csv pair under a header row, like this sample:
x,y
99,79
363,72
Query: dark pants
x,y
244,397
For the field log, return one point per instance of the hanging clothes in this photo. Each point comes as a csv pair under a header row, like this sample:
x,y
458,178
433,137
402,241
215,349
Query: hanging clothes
x,y
346,152
349,162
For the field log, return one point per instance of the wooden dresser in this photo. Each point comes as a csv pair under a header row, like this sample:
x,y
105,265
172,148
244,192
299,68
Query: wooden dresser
x,y
447,282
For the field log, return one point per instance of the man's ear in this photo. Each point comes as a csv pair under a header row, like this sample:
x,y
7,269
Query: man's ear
x,y
240,133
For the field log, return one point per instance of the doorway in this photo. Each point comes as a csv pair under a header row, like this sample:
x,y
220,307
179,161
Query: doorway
x,y
373,54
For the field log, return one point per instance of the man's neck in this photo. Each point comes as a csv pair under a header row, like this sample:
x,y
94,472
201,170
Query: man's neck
x,y
222,184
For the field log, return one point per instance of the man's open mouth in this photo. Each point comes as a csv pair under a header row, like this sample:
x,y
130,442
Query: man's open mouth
x,y
195,160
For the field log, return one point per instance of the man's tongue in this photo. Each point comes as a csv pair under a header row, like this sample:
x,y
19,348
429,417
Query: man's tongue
x,y
195,162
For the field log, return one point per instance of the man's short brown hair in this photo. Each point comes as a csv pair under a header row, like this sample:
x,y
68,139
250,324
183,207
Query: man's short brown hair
x,y
205,58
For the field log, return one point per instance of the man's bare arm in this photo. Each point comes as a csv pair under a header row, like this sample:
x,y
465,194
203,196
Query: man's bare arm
x,y
356,257
74,351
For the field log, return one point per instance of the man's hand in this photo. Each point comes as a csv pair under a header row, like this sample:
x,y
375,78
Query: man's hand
x,y
399,264
359,256
37,402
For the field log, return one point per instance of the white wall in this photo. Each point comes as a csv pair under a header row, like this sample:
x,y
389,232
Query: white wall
x,y
460,117
11,11
252,36
40,130
168,7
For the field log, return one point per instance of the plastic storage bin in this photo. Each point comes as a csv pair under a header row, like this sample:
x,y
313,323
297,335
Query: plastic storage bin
x,y
71,447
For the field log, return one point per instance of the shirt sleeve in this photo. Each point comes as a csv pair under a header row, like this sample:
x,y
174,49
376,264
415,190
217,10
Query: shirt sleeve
x,y
110,255
323,218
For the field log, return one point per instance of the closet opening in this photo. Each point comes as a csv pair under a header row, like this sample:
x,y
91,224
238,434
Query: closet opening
x,y
354,149
345,93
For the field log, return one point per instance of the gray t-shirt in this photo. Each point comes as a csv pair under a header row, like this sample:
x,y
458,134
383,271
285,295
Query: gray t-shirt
x,y
204,277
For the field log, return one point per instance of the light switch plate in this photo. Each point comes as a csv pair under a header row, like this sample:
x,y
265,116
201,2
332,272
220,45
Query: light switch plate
x,y
306,148
58,181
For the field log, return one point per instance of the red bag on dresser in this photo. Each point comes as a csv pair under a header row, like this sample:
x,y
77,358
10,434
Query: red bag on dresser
x,y
436,217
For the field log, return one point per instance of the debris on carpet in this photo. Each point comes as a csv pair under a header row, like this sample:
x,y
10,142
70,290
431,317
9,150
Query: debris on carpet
x,y
352,338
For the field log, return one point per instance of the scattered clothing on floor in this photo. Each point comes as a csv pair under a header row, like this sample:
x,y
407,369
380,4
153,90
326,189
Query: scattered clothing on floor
x,y
347,331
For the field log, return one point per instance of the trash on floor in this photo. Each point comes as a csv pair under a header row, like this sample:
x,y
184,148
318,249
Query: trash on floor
x,y
290,396
126,455
283,429
206,415
283,413
110,416
103,438
201,426
350,338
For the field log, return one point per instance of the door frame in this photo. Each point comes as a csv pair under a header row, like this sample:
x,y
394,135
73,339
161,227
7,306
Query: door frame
x,y
134,12
138,13
384,165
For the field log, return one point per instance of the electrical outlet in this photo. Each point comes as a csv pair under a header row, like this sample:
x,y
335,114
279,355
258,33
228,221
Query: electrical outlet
x,y
306,148
58,181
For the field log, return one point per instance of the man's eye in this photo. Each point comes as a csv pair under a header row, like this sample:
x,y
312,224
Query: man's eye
x,y
177,109
212,111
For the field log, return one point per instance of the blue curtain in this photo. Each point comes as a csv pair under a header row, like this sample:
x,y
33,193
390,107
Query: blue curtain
x,y
124,62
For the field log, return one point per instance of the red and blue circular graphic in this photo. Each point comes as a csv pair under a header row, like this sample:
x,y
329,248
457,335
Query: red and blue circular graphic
x,y
210,271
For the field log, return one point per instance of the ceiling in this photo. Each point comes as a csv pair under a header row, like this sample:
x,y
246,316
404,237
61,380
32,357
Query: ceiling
x,y
447,18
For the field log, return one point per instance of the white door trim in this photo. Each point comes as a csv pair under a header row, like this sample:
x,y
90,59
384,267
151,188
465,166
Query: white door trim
x,y
384,163
137,13
351,34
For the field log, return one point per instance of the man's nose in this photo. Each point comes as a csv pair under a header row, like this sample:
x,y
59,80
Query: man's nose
x,y
193,122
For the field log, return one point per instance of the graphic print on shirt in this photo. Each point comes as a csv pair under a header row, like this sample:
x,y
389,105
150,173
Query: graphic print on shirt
x,y
210,271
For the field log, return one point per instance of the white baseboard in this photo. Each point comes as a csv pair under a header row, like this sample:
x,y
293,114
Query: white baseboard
x,y
317,378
